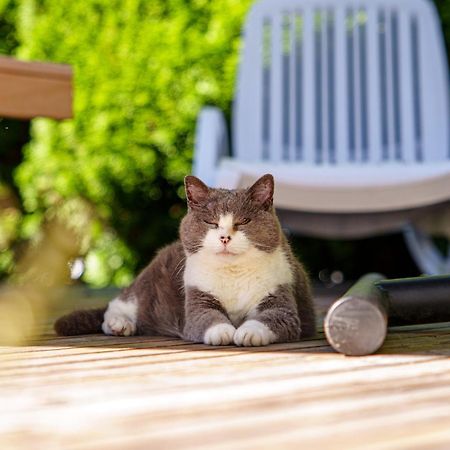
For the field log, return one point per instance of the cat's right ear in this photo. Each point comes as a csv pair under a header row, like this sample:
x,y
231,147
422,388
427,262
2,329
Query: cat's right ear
x,y
196,191
262,191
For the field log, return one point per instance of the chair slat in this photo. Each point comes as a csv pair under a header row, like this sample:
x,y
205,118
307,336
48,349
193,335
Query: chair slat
x,y
357,83
342,88
389,67
309,83
374,81
318,87
417,102
248,109
396,85
363,69
276,90
298,81
406,88
286,88
292,87
351,112
331,86
266,87
434,102
384,85
325,93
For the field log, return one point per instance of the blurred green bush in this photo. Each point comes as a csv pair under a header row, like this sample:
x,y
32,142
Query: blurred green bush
x,y
13,135
143,69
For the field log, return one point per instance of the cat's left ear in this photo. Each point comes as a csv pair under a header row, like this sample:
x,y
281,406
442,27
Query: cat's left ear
x,y
262,191
196,191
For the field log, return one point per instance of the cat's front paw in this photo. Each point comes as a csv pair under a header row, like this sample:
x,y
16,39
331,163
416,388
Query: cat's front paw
x,y
118,326
219,334
253,333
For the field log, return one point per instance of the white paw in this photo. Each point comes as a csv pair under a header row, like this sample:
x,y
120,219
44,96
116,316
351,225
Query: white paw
x,y
121,317
118,326
253,333
220,334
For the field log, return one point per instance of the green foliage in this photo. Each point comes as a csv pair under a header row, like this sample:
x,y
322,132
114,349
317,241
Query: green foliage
x,y
142,71
8,32
13,134
443,7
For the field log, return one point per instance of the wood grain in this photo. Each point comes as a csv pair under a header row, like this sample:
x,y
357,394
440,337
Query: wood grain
x,y
95,392
33,89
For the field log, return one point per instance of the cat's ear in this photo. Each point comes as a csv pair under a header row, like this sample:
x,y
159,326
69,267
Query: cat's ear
x,y
262,191
196,191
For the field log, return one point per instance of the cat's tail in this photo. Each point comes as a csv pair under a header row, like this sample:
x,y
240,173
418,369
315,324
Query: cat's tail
x,y
80,322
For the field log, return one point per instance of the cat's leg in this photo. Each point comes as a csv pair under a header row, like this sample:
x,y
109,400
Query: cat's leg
x,y
206,320
275,319
121,317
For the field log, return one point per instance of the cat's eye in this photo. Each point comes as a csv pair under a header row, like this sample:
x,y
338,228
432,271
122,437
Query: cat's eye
x,y
211,224
242,222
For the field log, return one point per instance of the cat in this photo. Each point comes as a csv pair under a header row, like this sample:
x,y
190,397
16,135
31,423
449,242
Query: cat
x,y
231,278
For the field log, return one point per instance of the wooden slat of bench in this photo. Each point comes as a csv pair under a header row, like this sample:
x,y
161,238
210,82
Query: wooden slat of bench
x,y
35,69
31,89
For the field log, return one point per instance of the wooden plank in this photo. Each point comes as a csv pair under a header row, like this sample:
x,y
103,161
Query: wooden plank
x,y
190,391
310,405
35,69
31,89
57,359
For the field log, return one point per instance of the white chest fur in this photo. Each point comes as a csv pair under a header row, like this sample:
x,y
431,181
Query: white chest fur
x,y
239,284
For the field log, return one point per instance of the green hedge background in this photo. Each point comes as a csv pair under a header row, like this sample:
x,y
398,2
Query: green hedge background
x,y
142,71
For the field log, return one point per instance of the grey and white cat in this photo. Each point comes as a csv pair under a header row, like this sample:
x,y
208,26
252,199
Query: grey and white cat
x,y
231,278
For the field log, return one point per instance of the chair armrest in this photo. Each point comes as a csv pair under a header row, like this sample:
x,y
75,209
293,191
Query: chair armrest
x,y
211,143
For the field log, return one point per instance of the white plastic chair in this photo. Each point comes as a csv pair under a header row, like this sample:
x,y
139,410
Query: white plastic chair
x,y
346,103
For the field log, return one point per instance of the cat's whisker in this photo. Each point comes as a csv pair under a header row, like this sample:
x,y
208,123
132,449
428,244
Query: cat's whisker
x,y
260,245
178,268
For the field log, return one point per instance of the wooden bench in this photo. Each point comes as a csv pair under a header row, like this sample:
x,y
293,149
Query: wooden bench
x,y
35,89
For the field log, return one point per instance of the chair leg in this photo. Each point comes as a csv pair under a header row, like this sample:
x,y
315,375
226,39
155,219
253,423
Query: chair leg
x,y
425,253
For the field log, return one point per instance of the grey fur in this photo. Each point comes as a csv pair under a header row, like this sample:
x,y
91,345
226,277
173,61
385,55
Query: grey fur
x,y
202,311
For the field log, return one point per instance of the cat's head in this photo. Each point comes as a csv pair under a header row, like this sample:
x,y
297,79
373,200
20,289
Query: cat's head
x,y
229,223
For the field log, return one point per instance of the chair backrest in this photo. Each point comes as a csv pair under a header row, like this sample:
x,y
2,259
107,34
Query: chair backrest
x,y
339,81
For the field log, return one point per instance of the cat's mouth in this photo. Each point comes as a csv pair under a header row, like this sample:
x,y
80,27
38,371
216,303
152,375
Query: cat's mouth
x,y
226,252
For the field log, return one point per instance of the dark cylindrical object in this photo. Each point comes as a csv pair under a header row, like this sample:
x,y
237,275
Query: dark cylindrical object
x,y
356,324
417,300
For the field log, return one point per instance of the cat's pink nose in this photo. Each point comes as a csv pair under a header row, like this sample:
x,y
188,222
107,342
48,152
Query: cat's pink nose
x,y
225,239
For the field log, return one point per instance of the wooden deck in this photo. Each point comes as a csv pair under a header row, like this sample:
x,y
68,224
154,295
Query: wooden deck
x,y
100,392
